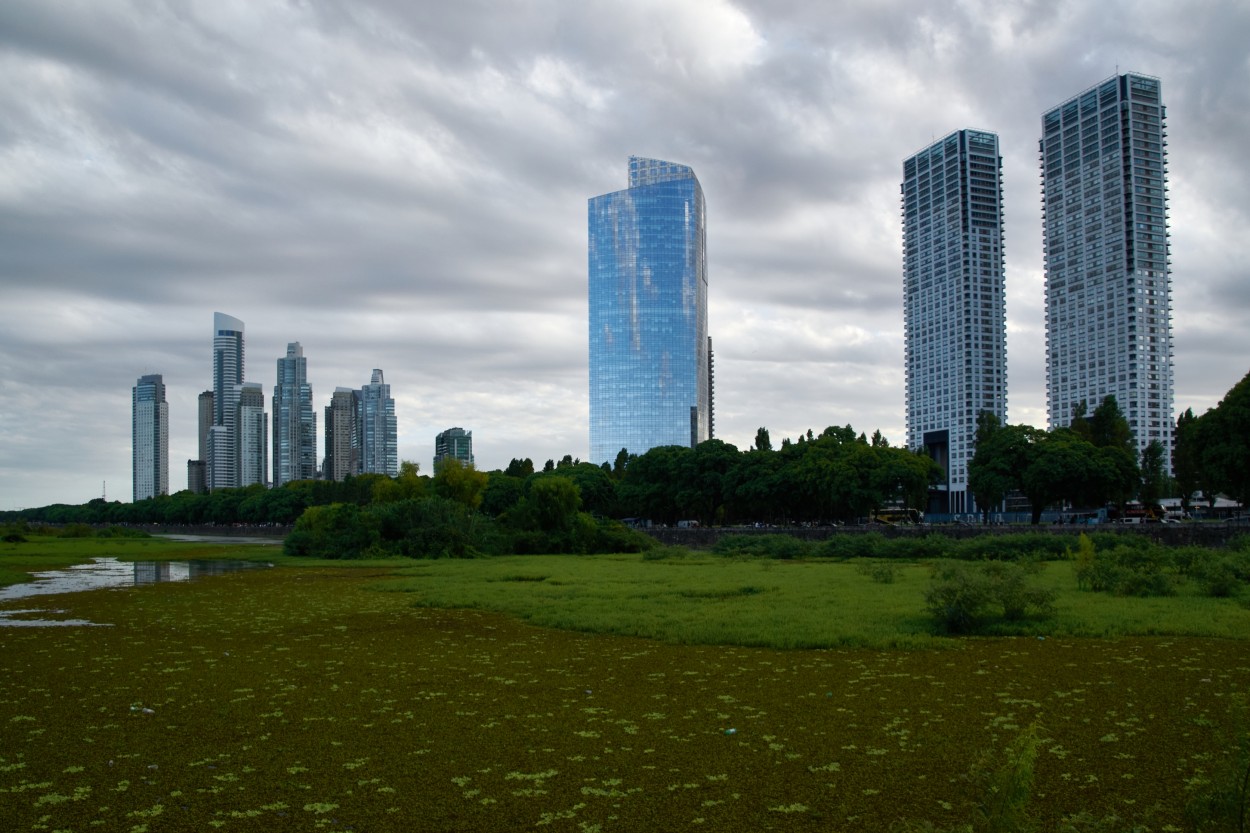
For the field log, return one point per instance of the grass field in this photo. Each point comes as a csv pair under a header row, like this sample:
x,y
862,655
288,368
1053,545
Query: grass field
x,y
302,698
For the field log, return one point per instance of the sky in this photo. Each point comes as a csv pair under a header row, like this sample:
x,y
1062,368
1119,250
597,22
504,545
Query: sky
x,y
402,184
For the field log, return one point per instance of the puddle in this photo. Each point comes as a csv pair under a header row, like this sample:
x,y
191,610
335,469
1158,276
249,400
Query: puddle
x,y
104,573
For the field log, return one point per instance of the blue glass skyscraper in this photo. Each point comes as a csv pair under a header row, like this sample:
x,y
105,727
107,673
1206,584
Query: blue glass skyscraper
x,y
650,368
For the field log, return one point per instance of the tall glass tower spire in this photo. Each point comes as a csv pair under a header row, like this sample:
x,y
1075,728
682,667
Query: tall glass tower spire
x,y
649,346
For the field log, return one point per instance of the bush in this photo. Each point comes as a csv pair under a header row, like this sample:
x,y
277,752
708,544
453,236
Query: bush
x,y
957,597
844,545
432,527
1219,573
338,530
1016,547
961,596
1125,569
763,546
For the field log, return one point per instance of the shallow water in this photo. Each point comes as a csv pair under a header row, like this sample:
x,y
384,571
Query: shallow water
x,y
104,573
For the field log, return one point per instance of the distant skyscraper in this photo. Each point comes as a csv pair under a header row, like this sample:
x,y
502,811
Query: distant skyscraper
x,y
197,469
342,435
252,426
294,423
149,437
222,469
1105,233
953,302
649,346
454,442
379,445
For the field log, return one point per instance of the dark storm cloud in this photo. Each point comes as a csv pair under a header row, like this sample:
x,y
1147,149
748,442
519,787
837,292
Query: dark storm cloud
x,y
403,185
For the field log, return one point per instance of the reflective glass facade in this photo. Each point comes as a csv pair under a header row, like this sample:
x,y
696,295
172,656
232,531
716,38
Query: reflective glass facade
x,y
294,423
149,438
649,347
228,362
375,419
954,309
1105,233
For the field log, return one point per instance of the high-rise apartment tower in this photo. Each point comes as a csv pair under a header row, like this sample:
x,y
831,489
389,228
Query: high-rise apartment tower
x,y
649,362
252,427
149,438
1105,233
342,435
222,462
953,303
294,423
379,448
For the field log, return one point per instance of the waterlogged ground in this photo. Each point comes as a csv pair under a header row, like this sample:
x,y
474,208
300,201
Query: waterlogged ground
x,y
300,700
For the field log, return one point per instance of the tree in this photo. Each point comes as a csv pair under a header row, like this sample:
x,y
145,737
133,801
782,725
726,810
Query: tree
x,y
1002,452
1153,475
762,441
454,480
1223,435
520,468
621,463
1186,457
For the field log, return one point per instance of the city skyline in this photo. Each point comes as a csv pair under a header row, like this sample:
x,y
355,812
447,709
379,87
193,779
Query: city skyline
x,y
417,202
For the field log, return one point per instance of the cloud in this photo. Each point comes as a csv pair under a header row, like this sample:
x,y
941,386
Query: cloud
x,y
404,186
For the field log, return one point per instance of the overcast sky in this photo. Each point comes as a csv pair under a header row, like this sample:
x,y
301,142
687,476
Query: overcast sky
x,y
402,184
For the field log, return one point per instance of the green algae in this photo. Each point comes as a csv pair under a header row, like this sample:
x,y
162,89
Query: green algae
x,y
300,699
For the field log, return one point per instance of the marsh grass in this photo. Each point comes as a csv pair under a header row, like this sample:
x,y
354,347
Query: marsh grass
x,y
709,599
299,699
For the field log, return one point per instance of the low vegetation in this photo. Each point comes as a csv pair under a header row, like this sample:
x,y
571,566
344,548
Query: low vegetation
x,y
303,698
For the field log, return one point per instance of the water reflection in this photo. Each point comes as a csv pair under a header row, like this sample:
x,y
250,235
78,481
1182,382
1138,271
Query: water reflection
x,y
109,572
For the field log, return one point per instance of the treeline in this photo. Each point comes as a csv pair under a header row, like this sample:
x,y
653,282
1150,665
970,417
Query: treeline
x,y
1092,462
834,476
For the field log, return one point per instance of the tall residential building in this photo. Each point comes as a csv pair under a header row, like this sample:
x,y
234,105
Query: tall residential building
x,y
252,427
222,461
954,315
1105,232
149,431
342,435
649,347
454,442
294,423
379,437
197,469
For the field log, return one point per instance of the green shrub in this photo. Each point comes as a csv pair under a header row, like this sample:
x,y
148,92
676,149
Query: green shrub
x,y
432,527
14,538
763,546
337,530
847,545
1014,547
961,595
957,597
1125,566
76,531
